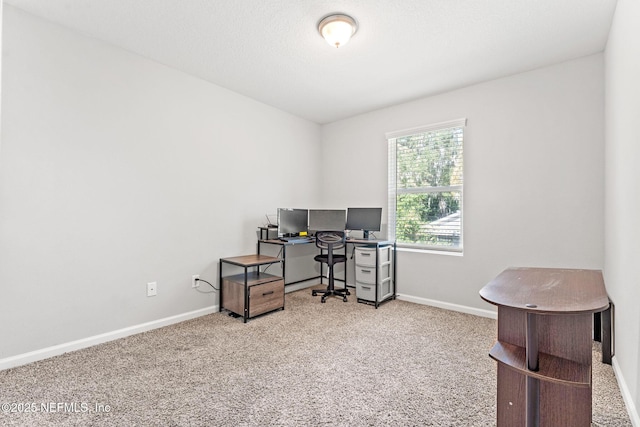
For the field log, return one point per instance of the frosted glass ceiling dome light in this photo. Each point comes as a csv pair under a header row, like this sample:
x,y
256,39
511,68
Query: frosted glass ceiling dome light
x,y
337,29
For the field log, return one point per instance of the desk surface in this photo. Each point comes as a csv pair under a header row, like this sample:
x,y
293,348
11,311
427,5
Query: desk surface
x,y
282,242
348,240
369,241
251,260
549,290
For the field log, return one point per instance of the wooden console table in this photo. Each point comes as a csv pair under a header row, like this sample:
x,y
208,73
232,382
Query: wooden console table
x,y
544,344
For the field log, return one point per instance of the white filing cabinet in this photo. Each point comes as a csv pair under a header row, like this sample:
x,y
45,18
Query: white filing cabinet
x,y
373,273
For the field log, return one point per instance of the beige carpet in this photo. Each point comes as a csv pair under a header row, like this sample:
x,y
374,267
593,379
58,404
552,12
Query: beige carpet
x,y
313,364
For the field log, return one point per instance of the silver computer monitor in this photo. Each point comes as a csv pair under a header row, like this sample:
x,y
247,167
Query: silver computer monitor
x,y
327,219
365,219
292,222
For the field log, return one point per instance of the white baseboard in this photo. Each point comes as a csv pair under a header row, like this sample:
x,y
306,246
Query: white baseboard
x,y
302,285
449,306
626,395
56,350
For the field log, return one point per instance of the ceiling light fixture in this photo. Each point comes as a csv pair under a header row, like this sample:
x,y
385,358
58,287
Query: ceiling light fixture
x,y
337,29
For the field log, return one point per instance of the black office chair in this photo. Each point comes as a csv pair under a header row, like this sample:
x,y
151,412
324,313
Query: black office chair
x,y
329,241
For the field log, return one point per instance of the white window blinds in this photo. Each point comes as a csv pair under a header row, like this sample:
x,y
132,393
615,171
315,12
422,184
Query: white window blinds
x,y
426,186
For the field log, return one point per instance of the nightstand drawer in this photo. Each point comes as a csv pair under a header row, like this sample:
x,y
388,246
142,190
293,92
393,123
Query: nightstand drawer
x,y
266,297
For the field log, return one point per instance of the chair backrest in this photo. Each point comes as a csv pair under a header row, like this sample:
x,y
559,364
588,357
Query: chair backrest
x,y
330,240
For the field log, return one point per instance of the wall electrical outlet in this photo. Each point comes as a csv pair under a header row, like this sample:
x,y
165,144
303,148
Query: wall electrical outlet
x,y
194,282
152,289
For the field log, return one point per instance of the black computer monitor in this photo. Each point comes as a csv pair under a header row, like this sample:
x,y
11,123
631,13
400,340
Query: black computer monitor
x,y
365,219
292,222
327,219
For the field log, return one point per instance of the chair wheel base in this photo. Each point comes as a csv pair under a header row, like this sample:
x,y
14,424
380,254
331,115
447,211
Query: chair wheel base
x,y
340,293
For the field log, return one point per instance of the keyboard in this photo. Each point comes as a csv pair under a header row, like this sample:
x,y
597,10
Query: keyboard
x,y
297,239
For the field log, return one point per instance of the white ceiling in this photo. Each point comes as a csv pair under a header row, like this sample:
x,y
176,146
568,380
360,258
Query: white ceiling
x,y
270,50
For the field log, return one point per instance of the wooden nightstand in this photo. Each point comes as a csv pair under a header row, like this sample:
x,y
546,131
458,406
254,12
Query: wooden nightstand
x,y
251,293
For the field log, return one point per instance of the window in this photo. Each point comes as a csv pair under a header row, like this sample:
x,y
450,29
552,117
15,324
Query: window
x,y
425,186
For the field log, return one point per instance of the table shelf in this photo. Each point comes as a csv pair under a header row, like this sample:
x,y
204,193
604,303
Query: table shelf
x,y
253,278
551,368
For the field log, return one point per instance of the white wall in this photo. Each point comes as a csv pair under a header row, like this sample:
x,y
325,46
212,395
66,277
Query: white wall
x,y
622,173
1,13
533,192
117,171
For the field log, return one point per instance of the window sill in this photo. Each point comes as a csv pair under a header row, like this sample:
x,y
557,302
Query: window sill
x,y
430,251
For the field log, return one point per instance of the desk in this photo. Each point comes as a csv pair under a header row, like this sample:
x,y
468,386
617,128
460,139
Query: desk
x,y
544,344
300,266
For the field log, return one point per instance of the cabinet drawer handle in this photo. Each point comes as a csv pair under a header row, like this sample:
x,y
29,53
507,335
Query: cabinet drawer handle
x,y
368,288
267,293
365,254
366,271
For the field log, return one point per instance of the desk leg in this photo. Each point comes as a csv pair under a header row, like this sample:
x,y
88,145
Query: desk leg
x,y
395,252
603,332
533,384
607,334
284,264
220,287
377,290
245,315
321,268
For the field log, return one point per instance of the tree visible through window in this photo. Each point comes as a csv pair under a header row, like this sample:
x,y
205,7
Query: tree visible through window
x,y
425,186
